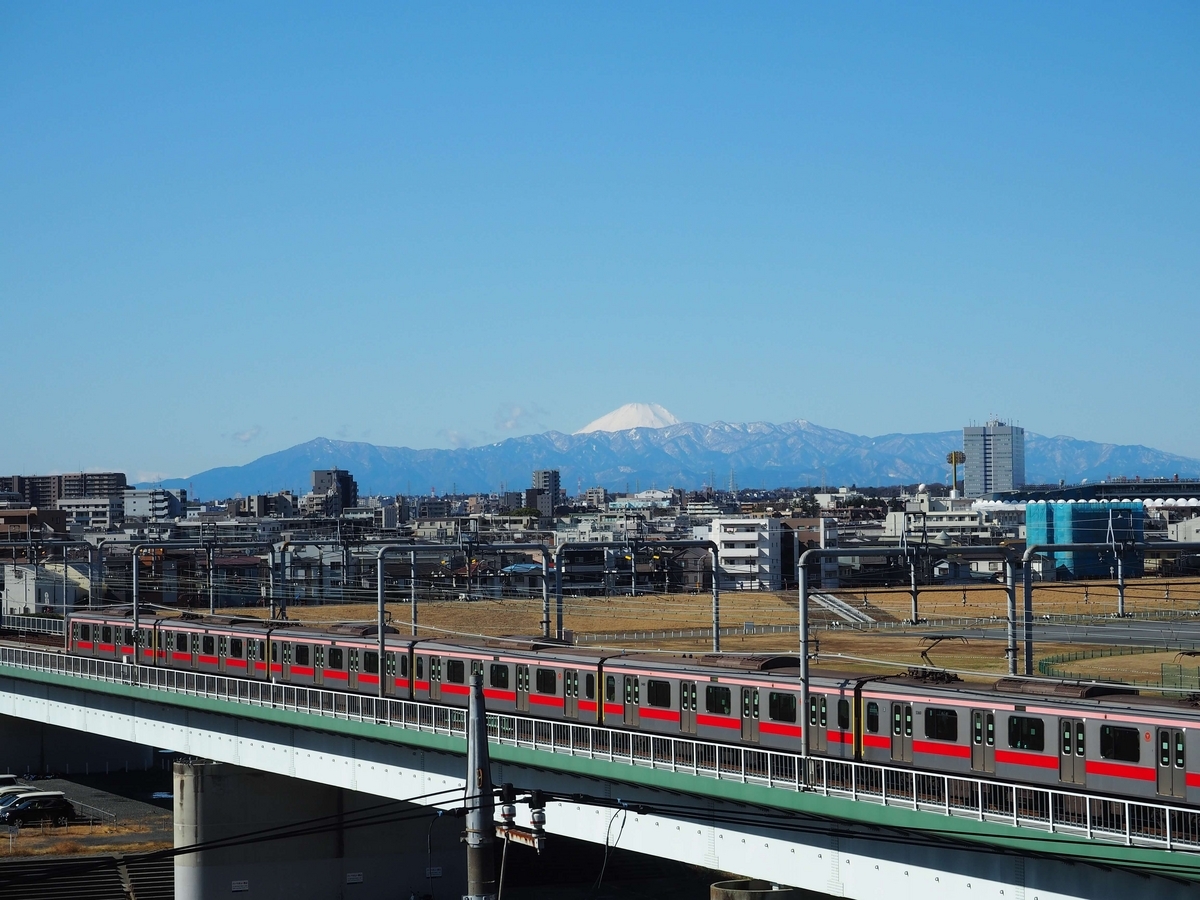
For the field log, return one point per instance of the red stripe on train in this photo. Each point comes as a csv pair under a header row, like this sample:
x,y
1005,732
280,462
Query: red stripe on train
x,y
84,645
461,689
1020,758
181,657
587,705
364,678
840,737
667,715
208,660
880,741
236,663
495,694
336,675
717,721
776,728
934,748
613,709
1119,770
302,670
545,700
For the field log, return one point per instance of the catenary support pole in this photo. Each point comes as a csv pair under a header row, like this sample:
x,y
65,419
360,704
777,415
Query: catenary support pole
x,y
558,595
545,593
1010,572
802,581
479,801
912,572
212,593
716,597
1121,583
412,561
1027,613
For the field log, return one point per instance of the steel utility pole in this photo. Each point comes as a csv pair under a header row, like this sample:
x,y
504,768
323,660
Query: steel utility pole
x,y
480,802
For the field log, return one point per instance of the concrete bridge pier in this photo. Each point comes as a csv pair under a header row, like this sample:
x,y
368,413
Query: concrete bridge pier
x,y
356,846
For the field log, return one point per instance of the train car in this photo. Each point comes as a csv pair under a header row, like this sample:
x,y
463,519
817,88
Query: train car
x,y
102,635
551,680
1099,738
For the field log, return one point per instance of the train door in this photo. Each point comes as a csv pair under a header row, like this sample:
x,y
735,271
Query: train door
x,y
522,688
818,723
1072,752
222,651
750,714
389,666
902,732
687,707
571,693
983,741
352,668
1172,763
435,678
633,699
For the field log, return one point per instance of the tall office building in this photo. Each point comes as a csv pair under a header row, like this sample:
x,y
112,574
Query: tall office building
x,y
995,458
547,490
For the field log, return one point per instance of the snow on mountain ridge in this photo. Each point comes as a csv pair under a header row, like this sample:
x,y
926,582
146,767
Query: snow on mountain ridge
x,y
630,416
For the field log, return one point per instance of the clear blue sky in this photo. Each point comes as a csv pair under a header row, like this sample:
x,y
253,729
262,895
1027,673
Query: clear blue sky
x,y
226,229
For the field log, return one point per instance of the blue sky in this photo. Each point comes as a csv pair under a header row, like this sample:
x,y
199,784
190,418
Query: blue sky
x,y
227,229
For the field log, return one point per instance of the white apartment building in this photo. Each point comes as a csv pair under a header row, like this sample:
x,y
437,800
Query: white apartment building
x,y
99,513
749,552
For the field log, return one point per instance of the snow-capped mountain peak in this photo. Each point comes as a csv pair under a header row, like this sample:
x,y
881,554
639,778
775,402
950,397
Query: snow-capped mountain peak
x,y
631,415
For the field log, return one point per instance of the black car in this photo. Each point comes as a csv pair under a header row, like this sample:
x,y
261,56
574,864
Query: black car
x,y
43,808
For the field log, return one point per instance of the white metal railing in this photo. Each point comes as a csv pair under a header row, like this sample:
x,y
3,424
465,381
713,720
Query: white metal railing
x,y
1129,822
32,624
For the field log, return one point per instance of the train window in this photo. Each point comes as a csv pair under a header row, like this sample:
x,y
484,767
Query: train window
x,y
781,707
302,654
941,724
195,643
456,671
658,693
477,667
106,634
274,652
589,687
873,717
420,667
1025,733
498,675
1179,753
843,714
129,637
181,642
404,666
896,718
85,632
337,658
370,662
235,648
1124,744
1164,747
545,681
717,700
610,688
209,645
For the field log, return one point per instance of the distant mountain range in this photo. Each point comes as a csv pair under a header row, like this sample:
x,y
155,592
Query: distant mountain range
x,y
685,455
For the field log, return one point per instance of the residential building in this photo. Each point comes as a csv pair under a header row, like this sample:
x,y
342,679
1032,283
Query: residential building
x,y
749,552
550,481
21,524
47,490
596,496
29,590
325,480
154,504
995,458
94,484
93,513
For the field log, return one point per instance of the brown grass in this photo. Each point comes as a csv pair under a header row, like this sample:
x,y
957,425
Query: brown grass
x,y
78,839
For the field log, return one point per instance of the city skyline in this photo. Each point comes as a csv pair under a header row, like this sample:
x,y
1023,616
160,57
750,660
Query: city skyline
x,y
231,229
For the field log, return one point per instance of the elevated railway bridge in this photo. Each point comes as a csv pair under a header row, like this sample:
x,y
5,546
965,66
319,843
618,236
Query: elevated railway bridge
x,y
840,827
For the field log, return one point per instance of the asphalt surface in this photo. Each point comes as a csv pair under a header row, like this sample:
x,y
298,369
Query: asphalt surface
x,y
1174,635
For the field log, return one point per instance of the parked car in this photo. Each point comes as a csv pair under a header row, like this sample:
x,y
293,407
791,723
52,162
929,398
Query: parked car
x,y
6,793
42,806
8,780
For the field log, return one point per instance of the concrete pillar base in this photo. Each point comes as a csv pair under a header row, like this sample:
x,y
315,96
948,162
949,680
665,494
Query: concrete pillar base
x,y
358,847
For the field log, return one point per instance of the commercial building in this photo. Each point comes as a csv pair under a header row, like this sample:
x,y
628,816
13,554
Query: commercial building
x,y
995,458
1103,522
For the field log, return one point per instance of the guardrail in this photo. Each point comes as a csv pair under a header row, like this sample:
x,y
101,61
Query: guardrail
x,y
1128,822
32,624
